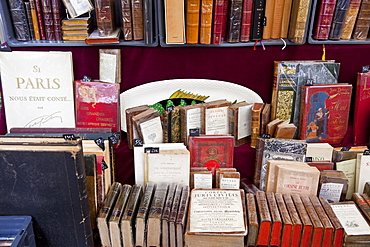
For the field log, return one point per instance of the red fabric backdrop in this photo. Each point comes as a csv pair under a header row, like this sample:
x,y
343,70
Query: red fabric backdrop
x,y
242,65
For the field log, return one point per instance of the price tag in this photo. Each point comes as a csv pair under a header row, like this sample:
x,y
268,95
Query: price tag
x,y
367,152
100,143
5,47
86,78
152,150
308,159
69,137
104,165
265,136
194,132
138,142
345,148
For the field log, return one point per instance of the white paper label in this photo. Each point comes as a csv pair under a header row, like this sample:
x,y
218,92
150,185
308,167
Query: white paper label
x,y
108,67
351,219
229,183
331,191
203,181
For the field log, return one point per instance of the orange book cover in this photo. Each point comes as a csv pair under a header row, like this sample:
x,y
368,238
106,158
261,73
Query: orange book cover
x,y
206,12
307,226
318,229
192,21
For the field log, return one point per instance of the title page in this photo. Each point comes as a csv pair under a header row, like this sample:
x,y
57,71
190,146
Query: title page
x,y
38,89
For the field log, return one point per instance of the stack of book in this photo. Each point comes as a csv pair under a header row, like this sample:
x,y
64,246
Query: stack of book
x,y
76,29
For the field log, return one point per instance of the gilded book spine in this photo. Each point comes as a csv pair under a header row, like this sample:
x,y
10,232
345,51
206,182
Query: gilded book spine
x,y
350,19
245,31
297,28
361,28
324,19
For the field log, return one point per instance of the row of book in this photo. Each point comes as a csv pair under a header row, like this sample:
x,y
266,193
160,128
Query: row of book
x,y
341,20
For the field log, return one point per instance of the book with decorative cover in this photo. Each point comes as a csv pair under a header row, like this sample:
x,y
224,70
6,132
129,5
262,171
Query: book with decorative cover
x,y
130,128
47,14
105,16
40,19
126,19
219,24
325,112
234,21
240,117
58,15
205,24
35,22
245,30
297,224
299,20
350,19
19,18
307,226
192,22
258,19
97,105
137,19
148,126
338,19
324,17
287,225
361,28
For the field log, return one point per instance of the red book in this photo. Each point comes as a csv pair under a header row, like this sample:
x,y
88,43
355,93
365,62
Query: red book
x,y
287,227
40,19
211,151
296,221
245,31
324,19
219,21
338,228
318,228
325,112
48,19
361,120
275,220
307,226
264,219
322,166
97,105
57,18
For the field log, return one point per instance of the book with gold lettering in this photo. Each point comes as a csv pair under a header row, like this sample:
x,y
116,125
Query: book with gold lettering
x,y
219,24
105,16
256,123
350,19
317,226
41,94
205,25
324,19
192,22
299,21
361,28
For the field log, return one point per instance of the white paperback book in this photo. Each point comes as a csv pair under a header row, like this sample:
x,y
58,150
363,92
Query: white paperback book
x,y
38,89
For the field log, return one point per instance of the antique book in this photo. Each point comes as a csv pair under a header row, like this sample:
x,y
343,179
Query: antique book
x,y
29,20
264,218
26,103
216,120
82,21
105,16
171,124
252,223
347,153
367,188
76,8
277,19
350,19
361,119
298,21
362,204
333,185
96,38
105,212
325,112
149,22
303,180
234,21
182,215
268,19
247,185
286,18
175,21
97,105
191,121
355,225
47,14
297,224
240,117
205,23
319,152
192,22
211,151
142,214
155,215
201,179
324,18
341,9
318,228
362,169
110,65
91,186
130,128
19,18
218,171
287,225
165,242
137,19
229,180
307,226
276,220
40,19
285,130
275,149
258,16
272,125
256,123
58,15
245,30
349,169
35,22
265,118
128,219
126,17
361,28
219,24
209,229
168,166
148,125
173,214
338,228
114,221
321,165
51,175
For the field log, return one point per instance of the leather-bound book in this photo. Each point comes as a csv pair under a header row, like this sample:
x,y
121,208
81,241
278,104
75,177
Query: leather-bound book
x,y
362,204
350,19
90,170
248,186
47,14
219,23
338,19
252,216
40,19
191,121
35,22
338,228
166,215
182,215
361,28
58,15
298,21
126,16
271,126
229,180
234,21
264,219
268,19
324,18
245,30
29,20
256,123
287,225
148,125
216,120
286,18
307,226
276,221
277,19
137,19
297,224
318,228
19,18
130,128
240,115
105,17
149,22
333,185
258,19
218,171
361,118
205,25
265,117
173,215
192,21
285,130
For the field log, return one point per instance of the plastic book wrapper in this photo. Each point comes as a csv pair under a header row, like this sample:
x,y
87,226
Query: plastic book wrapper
x,y
105,15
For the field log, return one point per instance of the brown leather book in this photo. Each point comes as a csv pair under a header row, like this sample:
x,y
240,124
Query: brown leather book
x,y
205,29
256,123
350,19
361,28
277,19
265,117
137,19
149,132
297,224
264,219
362,204
234,21
269,17
105,16
285,130
271,127
338,228
166,215
287,225
182,215
252,215
286,18
191,121
126,19
192,21
318,228
276,227
298,21
333,185
47,14
239,122
216,112
173,215
130,128
307,226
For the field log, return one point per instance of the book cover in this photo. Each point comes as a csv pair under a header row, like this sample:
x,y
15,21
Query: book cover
x,y
77,8
287,8
350,19
216,118
201,179
182,215
264,218
229,180
256,123
192,22
287,225
40,19
137,19
219,23
298,21
58,15
297,224
333,185
319,152
245,30
149,22
361,28
29,20
361,119
130,128
265,118
252,216
325,112
307,225
322,166
205,24
362,204
211,151
338,228
272,125
268,19
324,18
126,16
19,18
110,65
47,14
40,94
258,19
285,130
191,121
234,21
240,117
349,169
362,169
97,105
175,21
341,9
91,186
149,127
318,228
276,221
165,237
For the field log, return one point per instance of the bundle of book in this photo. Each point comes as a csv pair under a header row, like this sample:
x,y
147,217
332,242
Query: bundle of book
x,y
341,20
220,21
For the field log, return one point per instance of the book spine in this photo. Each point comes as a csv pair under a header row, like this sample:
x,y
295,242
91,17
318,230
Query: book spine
x,y
218,21
137,19
276,220
338,19
235,18
268,20
298,23
205,29
34,20
287,223
258,161
224,21
19,17
258,19
350,19
192,21
48,19
252,220
297,225
317,231
29,20
361,27
57,16
362,204
324,19
245,30
126,19
265,219
306,222
104,10
40,18
148,22
175,125
256,123
278,19
338,228
286,18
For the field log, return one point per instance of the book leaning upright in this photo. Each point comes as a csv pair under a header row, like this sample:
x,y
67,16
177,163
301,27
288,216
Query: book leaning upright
x,y
41,93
